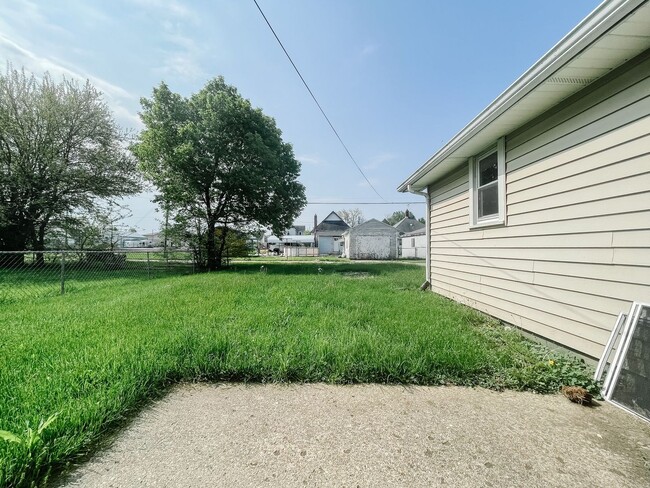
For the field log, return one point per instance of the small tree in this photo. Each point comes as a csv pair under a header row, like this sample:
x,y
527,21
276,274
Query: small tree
x,y
217,163
352,216
395,217
237,245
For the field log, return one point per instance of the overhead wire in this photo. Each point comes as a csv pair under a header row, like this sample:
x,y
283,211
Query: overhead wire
x,y
316,100
365,203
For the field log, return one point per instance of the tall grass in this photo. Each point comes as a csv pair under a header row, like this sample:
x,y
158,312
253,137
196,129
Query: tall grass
x,y
94,357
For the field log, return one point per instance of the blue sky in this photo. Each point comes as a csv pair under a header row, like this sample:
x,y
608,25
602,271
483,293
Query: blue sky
x,y
397,78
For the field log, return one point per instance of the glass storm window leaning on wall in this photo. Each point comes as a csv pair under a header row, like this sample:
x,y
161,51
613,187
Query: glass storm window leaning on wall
x,y
487,186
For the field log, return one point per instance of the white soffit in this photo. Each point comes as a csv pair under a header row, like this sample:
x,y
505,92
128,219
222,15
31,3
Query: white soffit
x,y
616,44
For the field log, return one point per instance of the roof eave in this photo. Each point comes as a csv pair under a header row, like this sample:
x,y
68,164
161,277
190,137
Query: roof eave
x,y
596,24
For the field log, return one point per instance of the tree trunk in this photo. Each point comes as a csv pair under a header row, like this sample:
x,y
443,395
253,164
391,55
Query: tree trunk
x,y
39,245
13,237
222,246
211,247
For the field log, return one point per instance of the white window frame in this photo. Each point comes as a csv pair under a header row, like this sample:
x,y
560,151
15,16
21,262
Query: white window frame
x,y
500,217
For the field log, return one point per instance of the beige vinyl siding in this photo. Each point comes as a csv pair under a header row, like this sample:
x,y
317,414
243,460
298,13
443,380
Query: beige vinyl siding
x,y
576,248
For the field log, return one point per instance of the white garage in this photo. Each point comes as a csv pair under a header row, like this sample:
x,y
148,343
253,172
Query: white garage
x,y
371,240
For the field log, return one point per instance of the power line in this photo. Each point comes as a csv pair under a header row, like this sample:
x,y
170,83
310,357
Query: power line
x,y
366,203
315,100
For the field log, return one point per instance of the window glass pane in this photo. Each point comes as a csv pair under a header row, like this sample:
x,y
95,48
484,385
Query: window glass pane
x,y
488,201
633,386
488,170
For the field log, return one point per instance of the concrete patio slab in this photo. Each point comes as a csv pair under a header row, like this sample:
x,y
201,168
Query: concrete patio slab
x,y
367,436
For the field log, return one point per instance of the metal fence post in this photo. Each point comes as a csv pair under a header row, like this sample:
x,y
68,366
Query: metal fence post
x,y
62,273
148,266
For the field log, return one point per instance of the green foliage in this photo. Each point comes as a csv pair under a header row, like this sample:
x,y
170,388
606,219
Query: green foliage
x,y
97,355
61,151
217,162
29,453
553,371
398,215
237,245
393,218
32,437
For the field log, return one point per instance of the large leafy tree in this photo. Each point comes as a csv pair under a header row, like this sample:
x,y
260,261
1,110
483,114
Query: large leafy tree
x,y
219,164
60,152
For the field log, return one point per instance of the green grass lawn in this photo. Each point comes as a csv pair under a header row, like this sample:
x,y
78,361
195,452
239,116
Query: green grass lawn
x,y
94,357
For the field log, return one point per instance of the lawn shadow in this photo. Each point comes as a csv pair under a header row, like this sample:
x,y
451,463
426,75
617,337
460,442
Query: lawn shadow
x,y
348,268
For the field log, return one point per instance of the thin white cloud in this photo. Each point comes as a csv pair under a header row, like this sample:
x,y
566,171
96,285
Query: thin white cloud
x,y
17,14
311,160
170,8
364,183
39,65
182,65
368,49
116,96
379,160
183,60
126,118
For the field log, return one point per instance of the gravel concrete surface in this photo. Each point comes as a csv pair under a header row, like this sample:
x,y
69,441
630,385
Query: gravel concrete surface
x,y
235,435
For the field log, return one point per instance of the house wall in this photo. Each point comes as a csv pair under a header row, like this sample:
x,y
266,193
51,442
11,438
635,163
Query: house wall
x,y
376,246
576,248
371,243
329,245
417,249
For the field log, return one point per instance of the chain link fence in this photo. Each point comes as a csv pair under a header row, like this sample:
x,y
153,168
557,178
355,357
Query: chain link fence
x,y
30,274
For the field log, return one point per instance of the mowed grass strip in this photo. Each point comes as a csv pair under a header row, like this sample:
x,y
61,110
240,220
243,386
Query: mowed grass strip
x,y
95,357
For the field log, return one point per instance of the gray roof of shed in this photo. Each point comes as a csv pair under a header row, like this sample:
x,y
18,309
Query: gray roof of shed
x,y
372,223
408,224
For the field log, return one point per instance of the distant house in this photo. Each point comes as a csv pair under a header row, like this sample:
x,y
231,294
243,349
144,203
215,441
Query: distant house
x,y
328,234
408,224
133,241
371,240
156,239
414,244
539,209
296,230
279,245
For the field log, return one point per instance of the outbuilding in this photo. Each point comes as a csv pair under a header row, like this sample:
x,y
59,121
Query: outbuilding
x,y
414,244
371,240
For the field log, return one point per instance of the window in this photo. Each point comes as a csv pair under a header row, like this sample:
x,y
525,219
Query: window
x,y
487,187
412,241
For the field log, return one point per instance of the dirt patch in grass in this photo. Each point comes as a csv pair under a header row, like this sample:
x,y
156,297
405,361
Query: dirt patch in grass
x,y
356,275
